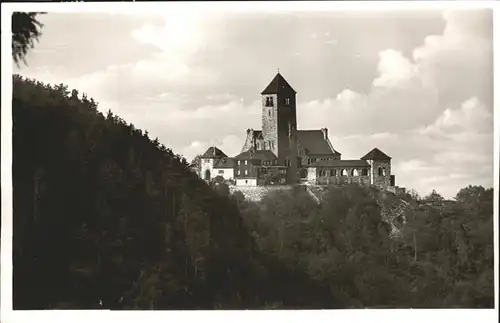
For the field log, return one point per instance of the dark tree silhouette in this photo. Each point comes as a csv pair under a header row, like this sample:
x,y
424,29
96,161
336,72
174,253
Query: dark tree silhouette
x,y
26,29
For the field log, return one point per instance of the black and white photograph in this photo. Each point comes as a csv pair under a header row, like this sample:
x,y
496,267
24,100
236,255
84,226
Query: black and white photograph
x,y
197,156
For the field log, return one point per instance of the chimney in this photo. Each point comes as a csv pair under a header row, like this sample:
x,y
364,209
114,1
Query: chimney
x,y
325,133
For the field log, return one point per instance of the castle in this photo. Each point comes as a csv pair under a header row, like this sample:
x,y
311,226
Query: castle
x,y
282,154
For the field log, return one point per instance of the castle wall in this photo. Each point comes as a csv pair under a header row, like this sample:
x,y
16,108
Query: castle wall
x,y
325,177
382,181
312,175
207,164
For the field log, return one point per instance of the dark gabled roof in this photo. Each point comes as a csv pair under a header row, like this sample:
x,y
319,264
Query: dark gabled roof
x,y
278,85
256,154
375,154
224,163
340,163
213,152
314,142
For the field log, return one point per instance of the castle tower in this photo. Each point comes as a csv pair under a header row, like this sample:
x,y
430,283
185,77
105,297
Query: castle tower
x,y
278,115
380,168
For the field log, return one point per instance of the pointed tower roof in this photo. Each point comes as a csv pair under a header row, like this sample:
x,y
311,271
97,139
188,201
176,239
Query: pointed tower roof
x,y
278,85
375,154
213,152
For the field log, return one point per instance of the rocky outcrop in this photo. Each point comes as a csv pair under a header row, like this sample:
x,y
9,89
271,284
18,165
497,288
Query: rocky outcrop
x,y
393,209
256,193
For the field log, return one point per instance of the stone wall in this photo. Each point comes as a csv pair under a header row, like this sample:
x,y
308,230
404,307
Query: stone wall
x,y
270,123
381,181
396,190
339,180
206,164
256,193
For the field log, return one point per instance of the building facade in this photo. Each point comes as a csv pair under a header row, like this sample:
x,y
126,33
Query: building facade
x,y
281,154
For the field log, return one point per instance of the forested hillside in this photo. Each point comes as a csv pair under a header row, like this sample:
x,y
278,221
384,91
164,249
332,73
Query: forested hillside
x,y
106,217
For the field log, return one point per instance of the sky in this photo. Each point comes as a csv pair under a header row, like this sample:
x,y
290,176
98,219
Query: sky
x,y
416,84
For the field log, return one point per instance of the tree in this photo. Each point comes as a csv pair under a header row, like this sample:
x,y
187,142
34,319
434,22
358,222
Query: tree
x,y
434,197
271,176
26,29
196,164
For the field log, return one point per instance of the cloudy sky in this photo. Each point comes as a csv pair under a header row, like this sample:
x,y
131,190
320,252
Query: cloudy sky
x,y
416,84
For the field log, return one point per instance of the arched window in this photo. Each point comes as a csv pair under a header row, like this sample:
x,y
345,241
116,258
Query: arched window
x,y
333,172
364,172
303,173
207,175
354,172
322,172
380,171
343,172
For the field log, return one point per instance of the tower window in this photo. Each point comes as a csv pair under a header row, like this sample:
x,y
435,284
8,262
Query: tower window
x,y
269,101
287,101
269,112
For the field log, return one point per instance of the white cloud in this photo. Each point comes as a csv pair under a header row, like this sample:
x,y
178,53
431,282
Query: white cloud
x,y
472,116
395,69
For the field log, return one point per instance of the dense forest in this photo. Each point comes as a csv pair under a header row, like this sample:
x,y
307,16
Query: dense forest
x,y
107,217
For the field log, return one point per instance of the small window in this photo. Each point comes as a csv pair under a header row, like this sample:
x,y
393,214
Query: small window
x,y
380,171
246,172
238,162
364,172
237,172
333,172
287,101
221,171
269,112
246,162
246,181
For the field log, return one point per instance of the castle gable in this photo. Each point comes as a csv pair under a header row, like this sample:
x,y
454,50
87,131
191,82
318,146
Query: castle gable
x,y
213,152
376,154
